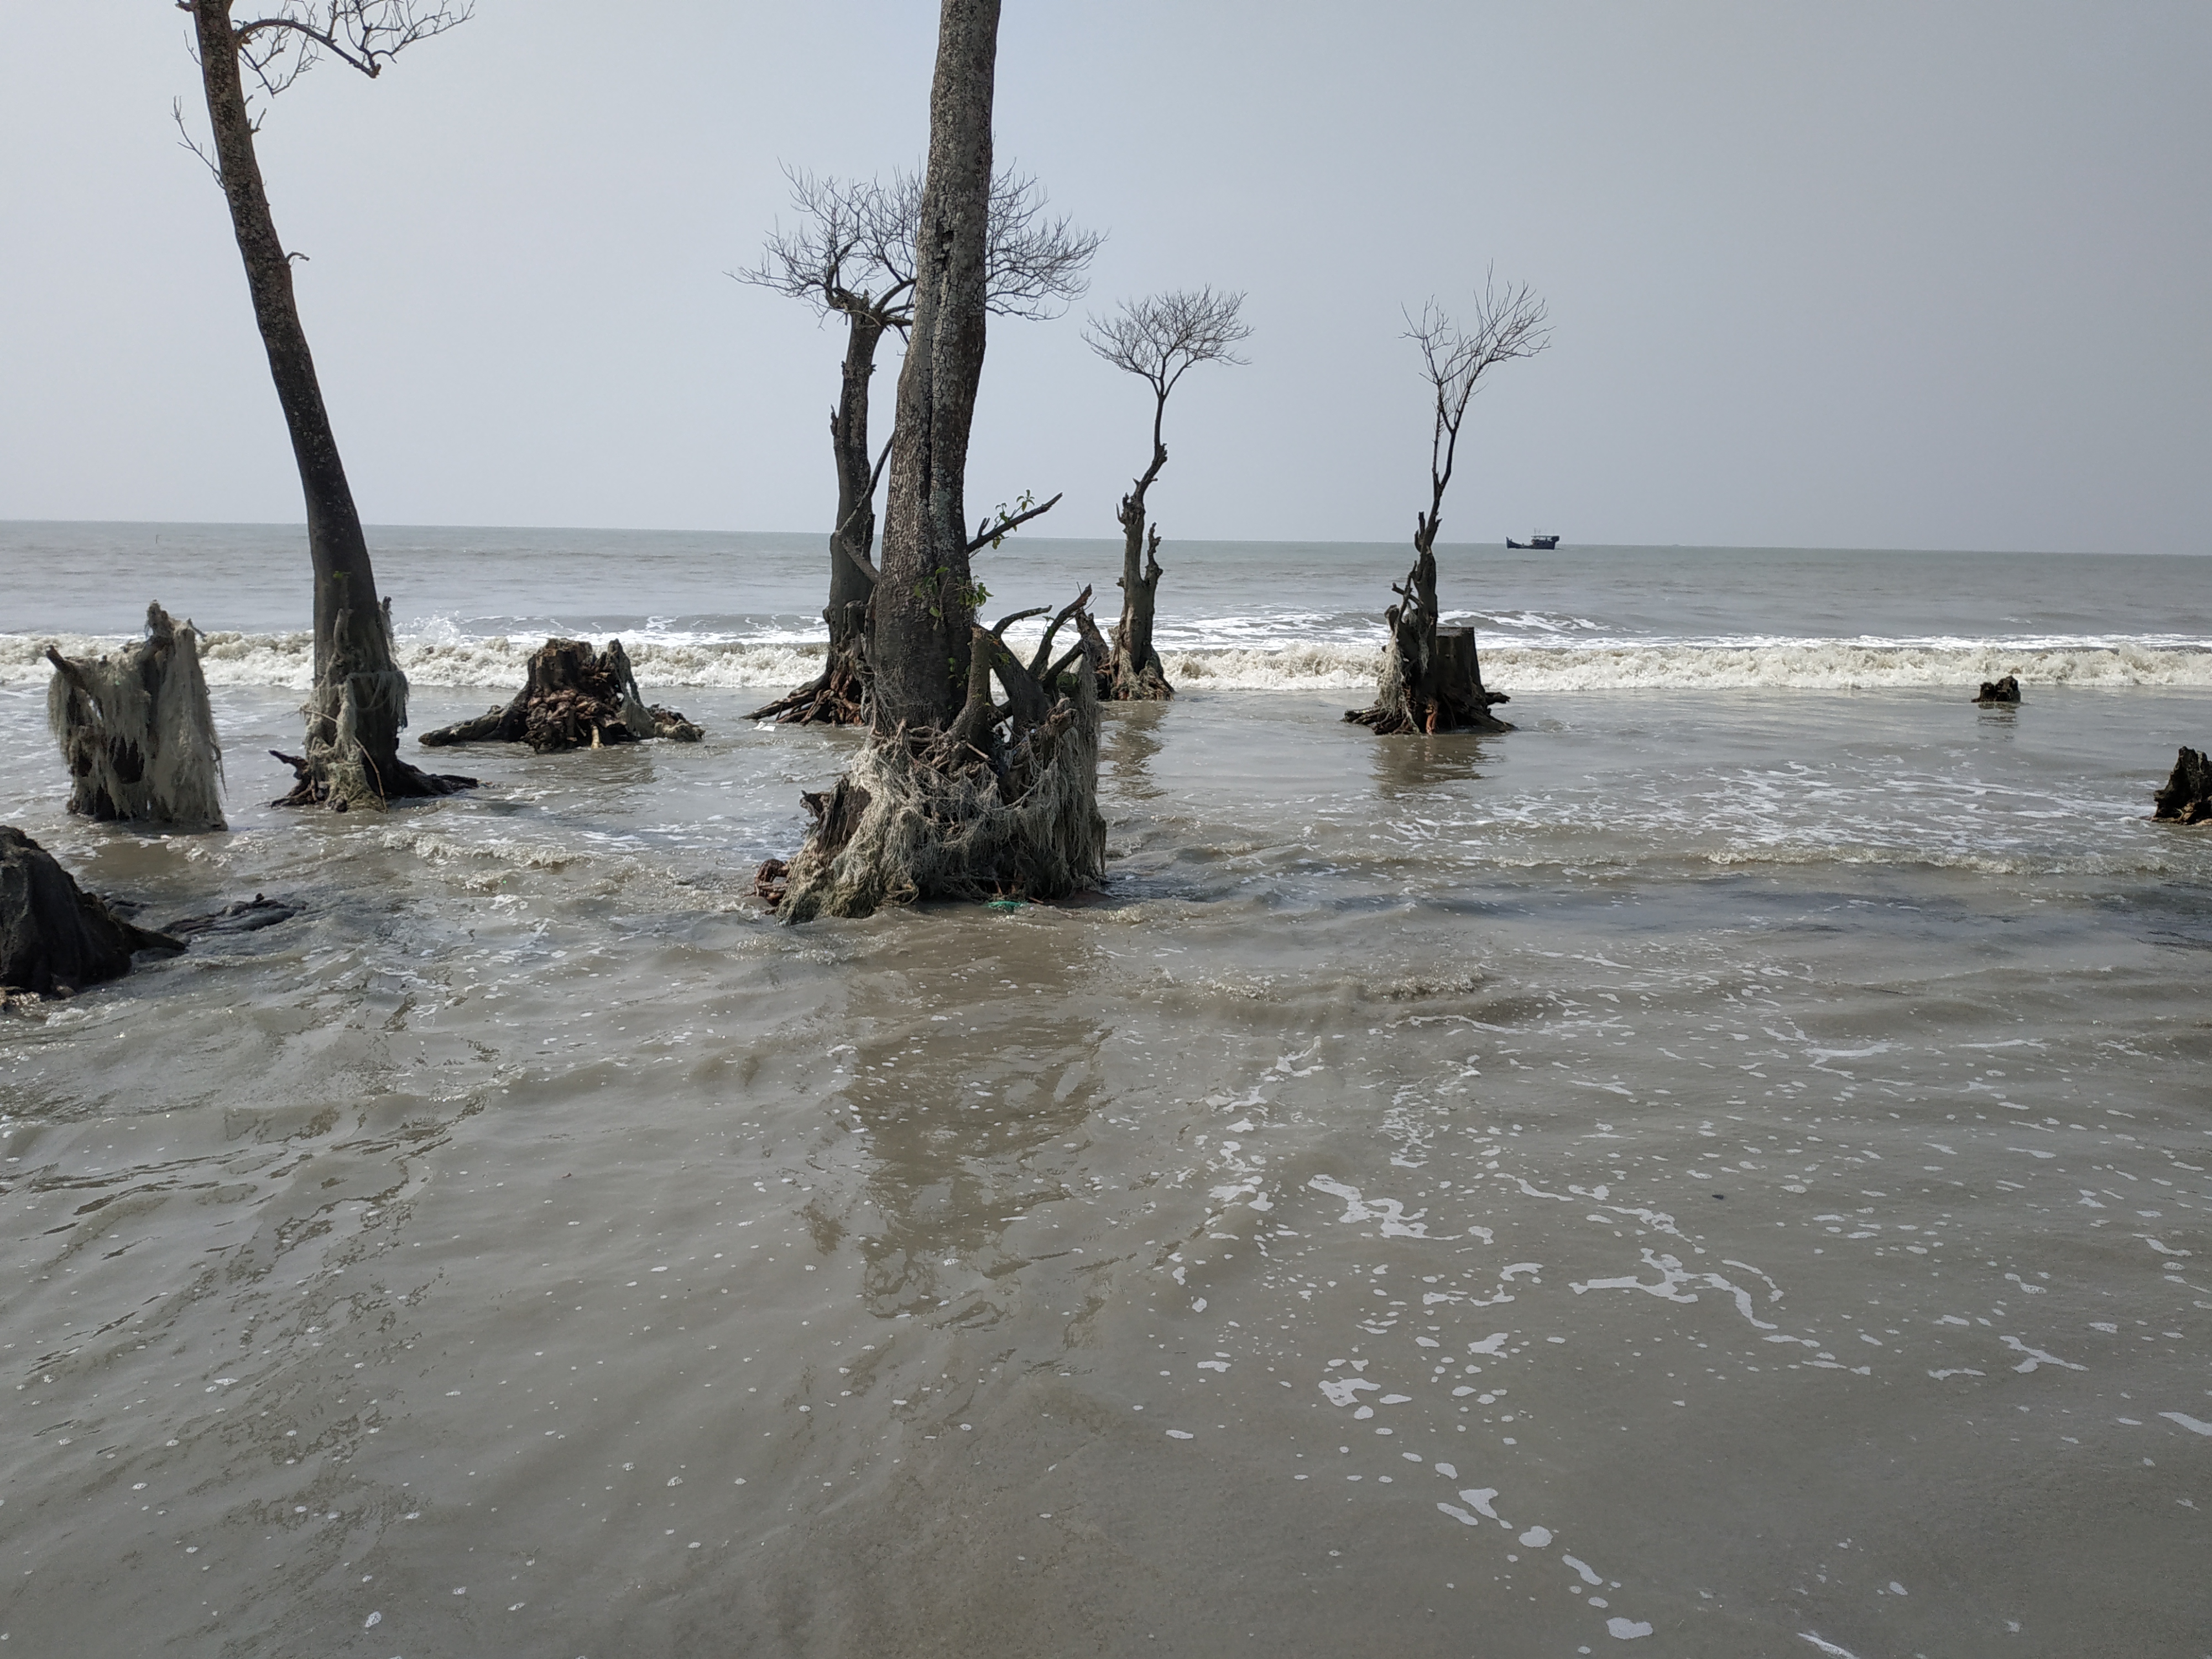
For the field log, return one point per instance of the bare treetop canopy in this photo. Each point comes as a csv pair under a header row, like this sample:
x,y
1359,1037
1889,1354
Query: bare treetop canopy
x,y
1507,323
283,42
852,249
1159,336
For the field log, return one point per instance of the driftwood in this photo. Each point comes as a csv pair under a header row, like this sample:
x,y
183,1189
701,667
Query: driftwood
x,y
244,916
55,937
1002,802
2187,797
573,699
135,730
1998,693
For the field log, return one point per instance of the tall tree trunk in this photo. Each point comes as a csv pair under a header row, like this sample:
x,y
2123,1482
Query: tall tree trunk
x,y
840,693
359,703
1135,673
923,606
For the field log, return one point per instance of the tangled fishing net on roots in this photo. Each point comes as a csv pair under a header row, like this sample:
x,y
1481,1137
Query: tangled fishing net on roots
x,y
136,732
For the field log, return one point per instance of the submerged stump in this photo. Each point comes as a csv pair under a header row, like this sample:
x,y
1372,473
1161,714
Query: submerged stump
x,y
1001,804
1997,694
135,730
2187,797
573,698
55,937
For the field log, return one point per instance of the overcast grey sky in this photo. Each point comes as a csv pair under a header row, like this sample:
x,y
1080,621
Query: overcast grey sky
x,y
1843,274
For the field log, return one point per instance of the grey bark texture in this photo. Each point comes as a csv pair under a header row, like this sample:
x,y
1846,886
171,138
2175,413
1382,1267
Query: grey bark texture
x,y
358,704
135,730
924,604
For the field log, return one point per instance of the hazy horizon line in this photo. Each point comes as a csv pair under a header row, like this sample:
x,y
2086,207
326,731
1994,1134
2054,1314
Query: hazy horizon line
x,y
1188,541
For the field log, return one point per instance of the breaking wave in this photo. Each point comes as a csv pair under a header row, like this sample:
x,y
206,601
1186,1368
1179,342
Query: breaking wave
x,y
287,660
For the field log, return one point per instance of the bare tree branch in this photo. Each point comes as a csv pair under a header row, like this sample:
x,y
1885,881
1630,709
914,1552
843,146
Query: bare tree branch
x,y
1160,337
365,35
988,534
852,249
1507,322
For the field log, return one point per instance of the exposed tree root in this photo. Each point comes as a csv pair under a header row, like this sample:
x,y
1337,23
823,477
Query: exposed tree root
x,y
573,699
2187,797
136,732
1002,803
55,937
840,694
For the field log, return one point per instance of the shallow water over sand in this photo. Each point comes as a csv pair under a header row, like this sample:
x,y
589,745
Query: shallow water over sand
x,y
1707,1174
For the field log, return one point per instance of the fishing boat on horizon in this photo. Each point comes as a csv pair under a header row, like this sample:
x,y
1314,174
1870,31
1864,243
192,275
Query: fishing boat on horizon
x,y
1539,542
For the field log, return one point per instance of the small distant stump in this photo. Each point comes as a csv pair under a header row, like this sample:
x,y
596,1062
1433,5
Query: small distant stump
x,y
574,698
55,937
1999,694
2187,797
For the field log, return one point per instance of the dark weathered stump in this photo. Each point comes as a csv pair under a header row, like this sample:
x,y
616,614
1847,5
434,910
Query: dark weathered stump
x,y
135,730
839,694
573,698
55,937
1998,693
2187,797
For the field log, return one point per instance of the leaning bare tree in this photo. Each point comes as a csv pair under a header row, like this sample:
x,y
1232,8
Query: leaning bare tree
x,y
1157,339
1431,678
359,702
853,255
954,794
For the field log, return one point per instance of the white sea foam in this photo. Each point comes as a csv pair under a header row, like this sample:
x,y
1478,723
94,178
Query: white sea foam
x,y
440,656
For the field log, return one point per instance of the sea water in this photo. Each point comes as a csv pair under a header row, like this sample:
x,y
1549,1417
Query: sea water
x,y
1720,1170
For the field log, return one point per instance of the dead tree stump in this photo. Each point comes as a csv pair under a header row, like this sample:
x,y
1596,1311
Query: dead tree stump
x,y
55,937
135,730
2187,797
1431,678
1998,693
573,698
1003,803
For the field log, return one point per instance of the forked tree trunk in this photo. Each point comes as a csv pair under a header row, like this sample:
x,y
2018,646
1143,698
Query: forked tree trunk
x,y
136,732
1431,676
840,693
1134,672
924,604
359,701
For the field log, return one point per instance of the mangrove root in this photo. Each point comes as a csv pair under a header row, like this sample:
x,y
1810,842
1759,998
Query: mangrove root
x,y
1998,693
839,694
55,937
135,730
1003,803
573,699
2187,797
355,712
1432,682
